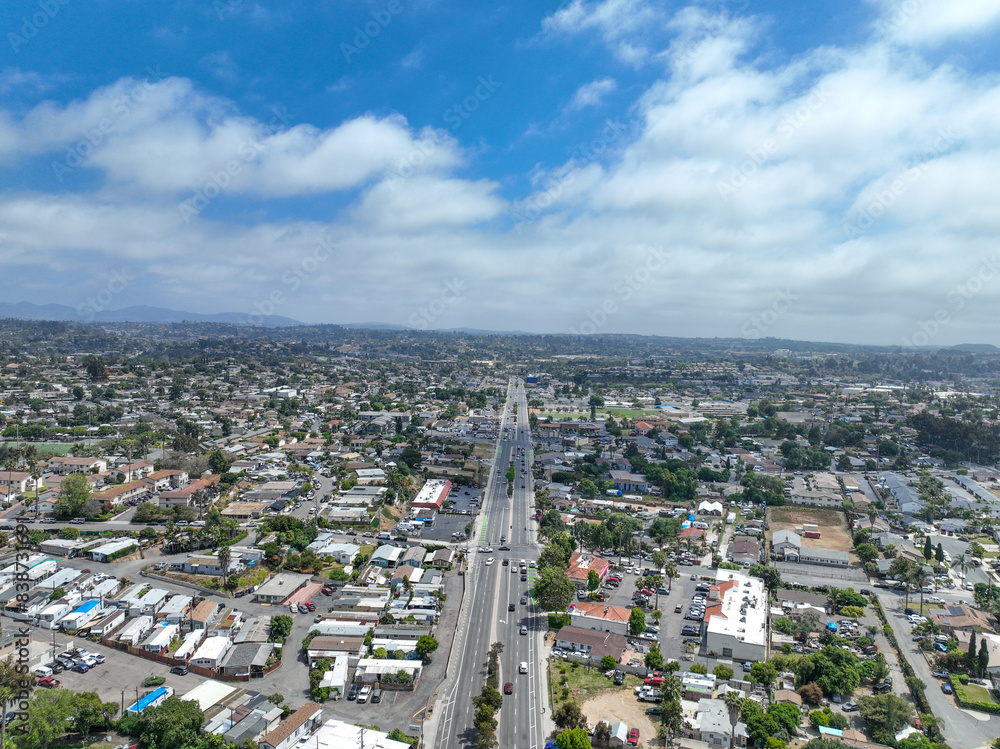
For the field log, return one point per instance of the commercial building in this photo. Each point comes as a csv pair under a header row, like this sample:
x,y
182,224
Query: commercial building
x,y
432,494
737,617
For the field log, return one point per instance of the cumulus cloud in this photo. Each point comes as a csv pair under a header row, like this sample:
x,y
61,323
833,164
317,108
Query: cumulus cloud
x,y
931,22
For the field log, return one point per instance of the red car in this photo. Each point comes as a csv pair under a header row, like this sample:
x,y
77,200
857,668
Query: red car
x,y
327,591
633,737
48,682
508,688
310,605
653,681
86,572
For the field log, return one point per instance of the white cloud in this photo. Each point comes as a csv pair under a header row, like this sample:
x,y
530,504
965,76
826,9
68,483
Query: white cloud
x,y
623,25
935,21
592,94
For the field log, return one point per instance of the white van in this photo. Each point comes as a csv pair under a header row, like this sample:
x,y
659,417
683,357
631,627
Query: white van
x,y
42,671
383,536
363,694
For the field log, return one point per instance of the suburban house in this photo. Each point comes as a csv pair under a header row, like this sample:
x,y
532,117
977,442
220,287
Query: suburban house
x,y
713,726
600,617
960,618
591,642
301,723
787,544
744,550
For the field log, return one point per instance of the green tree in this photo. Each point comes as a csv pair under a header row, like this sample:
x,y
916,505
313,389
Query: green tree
x,y
174,724
763,674
57,594
866,552
13,687
74,493
723,672
593,580
90,713
939,553
928,548
636,622
218,462
48,711
281,627
574,738
886,714
608,662
425,646
770,575
698,668
787,715
654,658
568,715
970,660
553,590
69,533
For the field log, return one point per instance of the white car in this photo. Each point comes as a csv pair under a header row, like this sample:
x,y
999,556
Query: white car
x,y
490,561
293,608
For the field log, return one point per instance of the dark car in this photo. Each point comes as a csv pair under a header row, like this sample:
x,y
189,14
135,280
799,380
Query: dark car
x,y
353,693
910,612
508,688
690,629
524,600
524,577
80,668
946,688
57,668
179,670
619,678
510,607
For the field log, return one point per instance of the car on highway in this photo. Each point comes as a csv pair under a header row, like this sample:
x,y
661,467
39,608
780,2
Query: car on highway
x,y
506,562
946,688
511,607
524,629
508,688
48,682
524,600
524,577
490,561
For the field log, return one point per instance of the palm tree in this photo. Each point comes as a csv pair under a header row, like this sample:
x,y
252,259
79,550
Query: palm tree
x,y
224,557
961,563
918,577
734,704
671,573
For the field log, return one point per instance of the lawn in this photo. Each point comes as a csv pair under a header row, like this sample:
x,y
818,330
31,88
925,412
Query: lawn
x,y
974,693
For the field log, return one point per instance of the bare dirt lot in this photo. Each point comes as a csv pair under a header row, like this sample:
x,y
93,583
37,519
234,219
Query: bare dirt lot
x,y
621,705
832,526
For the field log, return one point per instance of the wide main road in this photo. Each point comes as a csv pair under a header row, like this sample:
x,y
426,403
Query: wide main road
x,y
491,588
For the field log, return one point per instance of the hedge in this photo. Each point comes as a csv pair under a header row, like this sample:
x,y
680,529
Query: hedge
x,y
558,621
986,707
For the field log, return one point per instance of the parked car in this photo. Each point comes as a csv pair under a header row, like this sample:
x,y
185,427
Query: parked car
x,y
849,707
376,696
81,668
946,688
619,678
940,674
48,682
633,737
364,694
352,693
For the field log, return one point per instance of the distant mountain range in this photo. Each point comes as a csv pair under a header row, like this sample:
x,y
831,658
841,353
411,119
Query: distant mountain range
x,y
142,313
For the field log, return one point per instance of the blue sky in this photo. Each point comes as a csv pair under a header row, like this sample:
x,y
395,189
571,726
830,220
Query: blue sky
x,y
730,168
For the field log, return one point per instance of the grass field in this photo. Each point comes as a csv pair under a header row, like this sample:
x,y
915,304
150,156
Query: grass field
x,y
583,683
832,525
974,693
